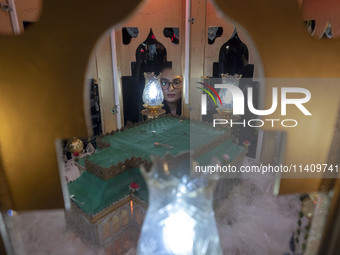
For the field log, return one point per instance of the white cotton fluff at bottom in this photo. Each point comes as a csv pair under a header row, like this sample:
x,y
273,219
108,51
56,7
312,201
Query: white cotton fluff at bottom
x,y
45,232
254,221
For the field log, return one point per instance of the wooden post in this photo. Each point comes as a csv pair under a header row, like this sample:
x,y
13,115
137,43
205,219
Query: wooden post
x,y
197,38
105,79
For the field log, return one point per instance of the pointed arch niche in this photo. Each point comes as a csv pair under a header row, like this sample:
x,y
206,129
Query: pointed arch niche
x,y
151,56
155,16
205,63
203,55
211,51
115,61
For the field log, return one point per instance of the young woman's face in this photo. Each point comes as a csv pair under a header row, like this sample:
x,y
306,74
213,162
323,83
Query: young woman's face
x,y
172,86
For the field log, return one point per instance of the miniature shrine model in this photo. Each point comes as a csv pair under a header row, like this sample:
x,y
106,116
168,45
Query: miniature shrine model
x,y
109,199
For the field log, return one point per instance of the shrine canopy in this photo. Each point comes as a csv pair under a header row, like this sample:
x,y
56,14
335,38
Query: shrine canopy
x,y
164,135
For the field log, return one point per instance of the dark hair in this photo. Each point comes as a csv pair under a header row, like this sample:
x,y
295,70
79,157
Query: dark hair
x,y
166,65
178,109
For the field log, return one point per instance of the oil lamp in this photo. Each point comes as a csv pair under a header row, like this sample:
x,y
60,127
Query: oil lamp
x,y
226,109
180,217
152,96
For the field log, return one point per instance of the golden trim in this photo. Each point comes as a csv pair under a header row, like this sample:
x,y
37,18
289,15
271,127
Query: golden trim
x,y
95,218
153,111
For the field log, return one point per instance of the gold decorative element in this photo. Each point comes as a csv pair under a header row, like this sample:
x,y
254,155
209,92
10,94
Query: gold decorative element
x,y
101,144
231,76
106,173
153,111
314,196
95,218
246,144
75,145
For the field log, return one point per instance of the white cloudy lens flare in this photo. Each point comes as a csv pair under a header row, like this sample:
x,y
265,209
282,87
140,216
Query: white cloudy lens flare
x,y
179,242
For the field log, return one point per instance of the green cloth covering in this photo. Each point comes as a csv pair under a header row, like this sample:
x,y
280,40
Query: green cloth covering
x,y
93,194
139,142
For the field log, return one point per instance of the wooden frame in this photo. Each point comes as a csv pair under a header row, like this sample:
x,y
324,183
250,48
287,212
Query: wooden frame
x,y
274,26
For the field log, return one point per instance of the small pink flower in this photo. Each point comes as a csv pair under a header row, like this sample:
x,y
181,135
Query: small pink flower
x,y
226,156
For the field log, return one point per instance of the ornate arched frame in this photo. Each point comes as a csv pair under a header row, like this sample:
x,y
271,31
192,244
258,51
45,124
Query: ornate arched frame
x,y
42,79
42,85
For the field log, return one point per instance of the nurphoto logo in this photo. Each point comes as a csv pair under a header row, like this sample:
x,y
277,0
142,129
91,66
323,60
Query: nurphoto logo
x,y
235,98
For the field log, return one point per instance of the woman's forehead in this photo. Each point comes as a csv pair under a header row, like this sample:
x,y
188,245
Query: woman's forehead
x,y
168,74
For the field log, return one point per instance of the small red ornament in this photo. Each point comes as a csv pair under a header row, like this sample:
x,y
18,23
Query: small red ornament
x,y
134,186
156,144
76,154
246,144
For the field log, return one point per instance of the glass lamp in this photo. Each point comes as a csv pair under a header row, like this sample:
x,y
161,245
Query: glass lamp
x,y
152,96
180,218
226,97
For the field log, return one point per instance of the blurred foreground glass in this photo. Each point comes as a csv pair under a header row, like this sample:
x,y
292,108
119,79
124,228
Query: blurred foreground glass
x,y
180,217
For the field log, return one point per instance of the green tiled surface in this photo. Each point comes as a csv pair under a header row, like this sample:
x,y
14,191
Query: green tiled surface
x,y
93,194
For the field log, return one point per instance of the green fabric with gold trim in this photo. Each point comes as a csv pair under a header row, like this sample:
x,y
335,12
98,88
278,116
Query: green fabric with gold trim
x,y
93,194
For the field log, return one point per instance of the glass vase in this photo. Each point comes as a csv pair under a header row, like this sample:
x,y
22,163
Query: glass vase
x,y
225,94
152,93
180,217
